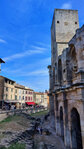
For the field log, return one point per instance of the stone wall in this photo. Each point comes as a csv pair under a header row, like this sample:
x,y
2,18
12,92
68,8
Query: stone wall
x,y
67,92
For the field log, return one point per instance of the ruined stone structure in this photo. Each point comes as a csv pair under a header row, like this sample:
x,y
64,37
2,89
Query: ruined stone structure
x,y
66,74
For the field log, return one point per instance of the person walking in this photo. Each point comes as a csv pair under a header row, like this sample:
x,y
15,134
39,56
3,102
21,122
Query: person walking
x,y
38,130
41,130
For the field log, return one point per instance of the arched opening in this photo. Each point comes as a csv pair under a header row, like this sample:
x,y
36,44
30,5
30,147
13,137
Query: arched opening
x,y
61,123
72,65
60,72
74,61
76,137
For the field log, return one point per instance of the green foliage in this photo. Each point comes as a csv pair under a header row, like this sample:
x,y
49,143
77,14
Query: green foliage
x,y
2,148
40,113
9,119
15,146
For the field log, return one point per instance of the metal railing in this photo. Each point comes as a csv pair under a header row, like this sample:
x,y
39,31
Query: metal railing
x,y
28,110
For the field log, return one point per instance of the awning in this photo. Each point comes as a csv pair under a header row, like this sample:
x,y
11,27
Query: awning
x,y
30,103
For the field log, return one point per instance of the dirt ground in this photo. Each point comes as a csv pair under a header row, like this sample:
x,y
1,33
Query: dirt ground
x,y
51,141
17,123
11,127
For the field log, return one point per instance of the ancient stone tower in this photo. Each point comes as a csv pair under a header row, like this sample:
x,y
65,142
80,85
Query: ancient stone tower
x,y
66,73
63,28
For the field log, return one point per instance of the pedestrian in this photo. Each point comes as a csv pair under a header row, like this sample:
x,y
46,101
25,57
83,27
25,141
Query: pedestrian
x,y
41,130
38,130
14,106
35,127
9,106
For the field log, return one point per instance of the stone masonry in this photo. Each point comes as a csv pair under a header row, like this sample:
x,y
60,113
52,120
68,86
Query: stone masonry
x,y
66,74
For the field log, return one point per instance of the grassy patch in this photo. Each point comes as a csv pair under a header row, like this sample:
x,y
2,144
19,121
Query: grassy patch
x,y
15,123
1,136
9,119
40,113
15,146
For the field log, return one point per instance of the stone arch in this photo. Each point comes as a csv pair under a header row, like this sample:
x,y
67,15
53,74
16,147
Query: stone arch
x,y
74,58
72,65
61,123
76,137
60,72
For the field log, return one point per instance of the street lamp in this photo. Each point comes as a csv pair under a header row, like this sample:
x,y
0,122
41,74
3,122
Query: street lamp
x,y
1,61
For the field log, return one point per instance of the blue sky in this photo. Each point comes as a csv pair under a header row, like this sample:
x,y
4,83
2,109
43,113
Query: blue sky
x,y
25,40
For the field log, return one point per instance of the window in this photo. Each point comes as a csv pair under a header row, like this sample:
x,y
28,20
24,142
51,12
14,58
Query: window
x,y
6,96
26,98
16,91
31,98
11,96
5,80
23,97
15,97
19,97
19,91
26,92
6,88
12,83
75,22
9,82
57,21
11,89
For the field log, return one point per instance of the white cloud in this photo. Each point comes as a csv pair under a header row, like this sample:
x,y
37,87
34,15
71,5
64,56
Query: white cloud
x,y
43,44
36,84
35,78
41,72
39,48
28,70
25,73
2,41
66,6
23,54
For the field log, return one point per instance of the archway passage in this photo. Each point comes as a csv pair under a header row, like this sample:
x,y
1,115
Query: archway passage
x,y
76,130
72,64
61,123
60,72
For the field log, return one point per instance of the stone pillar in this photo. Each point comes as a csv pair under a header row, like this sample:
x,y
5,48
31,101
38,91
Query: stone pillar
x,y
66,122
69,126
55,108
67,136
57,119
58,131
51,100
82,125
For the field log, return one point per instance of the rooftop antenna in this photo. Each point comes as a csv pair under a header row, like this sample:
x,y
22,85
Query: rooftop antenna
x,y
1,61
